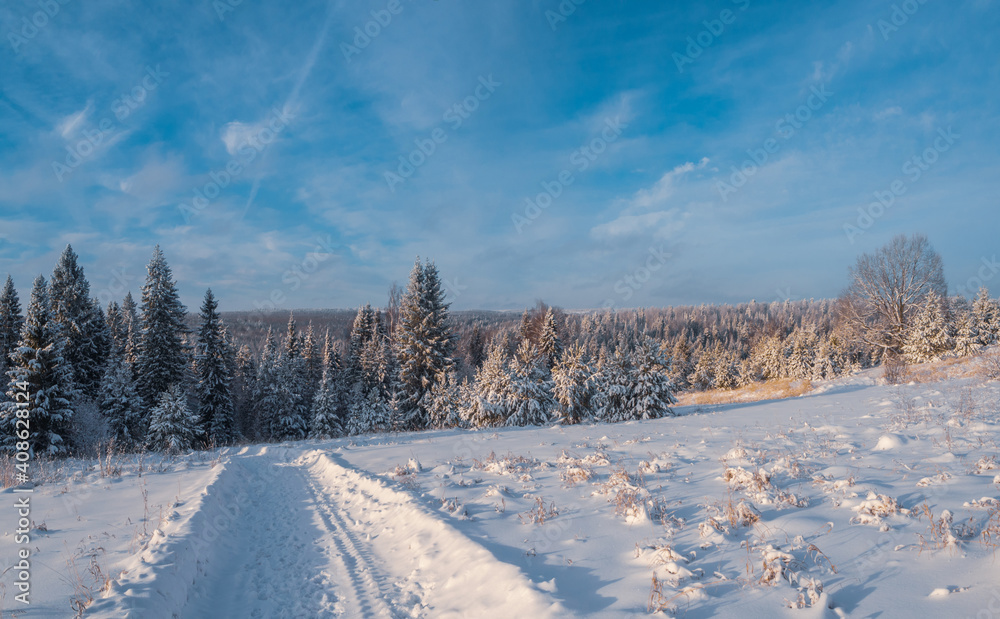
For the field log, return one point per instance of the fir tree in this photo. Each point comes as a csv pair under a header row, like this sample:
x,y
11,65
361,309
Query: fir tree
x,y
967,338
986,318
477,348
572,386
614,388
133,329
326,419
530,396
39,367
490,402
653,391
312,362
10,322
549,343
161,358
117,330
173,428
244,381
121,405
214,373
446,401
73,309
425,343
929,337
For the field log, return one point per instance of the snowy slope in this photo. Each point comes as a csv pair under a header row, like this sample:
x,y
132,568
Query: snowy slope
x,y
835,501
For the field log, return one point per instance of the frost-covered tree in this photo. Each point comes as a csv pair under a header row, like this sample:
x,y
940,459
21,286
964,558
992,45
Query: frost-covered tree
x,y
446,400
244,382
326,419
490,398
549,343
10,322
652,391
929,337
614,387
530,398
967,339
681,367
214,375
133,329
162,358
571,386
121,405
312,361
117,330
72,307
986,318
425,343
173,427
267,392
38,366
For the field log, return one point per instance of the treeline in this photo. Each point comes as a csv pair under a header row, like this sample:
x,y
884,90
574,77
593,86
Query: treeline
x,y
148,375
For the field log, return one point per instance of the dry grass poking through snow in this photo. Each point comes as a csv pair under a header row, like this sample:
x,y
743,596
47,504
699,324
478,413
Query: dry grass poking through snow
x,y
772,390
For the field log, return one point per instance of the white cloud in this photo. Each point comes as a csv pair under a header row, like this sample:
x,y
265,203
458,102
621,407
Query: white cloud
x,y
68,125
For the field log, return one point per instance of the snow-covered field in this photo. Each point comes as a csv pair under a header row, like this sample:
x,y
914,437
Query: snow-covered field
x,y
857,499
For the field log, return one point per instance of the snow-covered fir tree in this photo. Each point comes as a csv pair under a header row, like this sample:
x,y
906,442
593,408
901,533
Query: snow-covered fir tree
x,y
173,427
326,419
489,406
801,356
292,421
162,357
531,401
214,375
967,339
117,330
121,405
681,367
133,329
571,386
986,317
446,401
10,322
614,387
266,395
652,391
549,343
929,337
244,381
77,315
312,361
425,343
38,366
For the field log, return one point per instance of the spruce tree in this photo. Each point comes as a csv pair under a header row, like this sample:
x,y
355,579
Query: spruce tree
x,y
425,343
326,419
967,339
652,391
121,405
490,402
572,388
549,343
614,388
530,398
312,362
986,317
10,322
72,307
38,366
214,374
162,358
929,337
266,399
446,403
173,428
117,330
244,380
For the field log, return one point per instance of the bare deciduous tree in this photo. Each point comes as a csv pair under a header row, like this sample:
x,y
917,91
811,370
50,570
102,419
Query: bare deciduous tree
x,y
887,288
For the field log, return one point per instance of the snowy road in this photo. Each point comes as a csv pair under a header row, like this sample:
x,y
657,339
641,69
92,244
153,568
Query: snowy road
x,y
290,532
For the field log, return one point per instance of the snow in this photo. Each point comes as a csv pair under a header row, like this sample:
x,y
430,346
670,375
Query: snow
x,y
857,499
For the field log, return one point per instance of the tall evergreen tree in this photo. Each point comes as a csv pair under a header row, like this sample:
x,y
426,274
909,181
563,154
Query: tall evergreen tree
x,y
312,362
326,419
653,391
244,380
39,367
162,356
531,401
572,387
986,318
117,330
967,340
10,322
614,387
425,343
214,375
72,307
549,343
929,337
490,403
121,405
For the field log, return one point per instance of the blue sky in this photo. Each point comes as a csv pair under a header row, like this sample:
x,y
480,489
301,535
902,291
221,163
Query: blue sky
x,y
587,155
